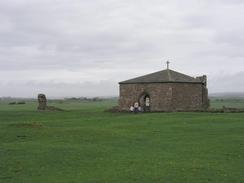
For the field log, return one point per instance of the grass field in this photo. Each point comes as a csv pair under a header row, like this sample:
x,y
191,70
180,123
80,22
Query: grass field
x,y
229,102
84,144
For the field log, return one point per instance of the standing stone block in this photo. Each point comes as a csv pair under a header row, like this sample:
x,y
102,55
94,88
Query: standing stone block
x,y
42,100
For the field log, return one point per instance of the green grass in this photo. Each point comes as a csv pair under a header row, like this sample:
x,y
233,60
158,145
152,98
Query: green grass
x,y
84,144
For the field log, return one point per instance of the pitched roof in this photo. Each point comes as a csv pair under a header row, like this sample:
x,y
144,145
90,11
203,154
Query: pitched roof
x,y
164,76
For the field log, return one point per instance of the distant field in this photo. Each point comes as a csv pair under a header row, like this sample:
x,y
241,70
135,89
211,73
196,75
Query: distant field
x,y
66,105
219,103
84,144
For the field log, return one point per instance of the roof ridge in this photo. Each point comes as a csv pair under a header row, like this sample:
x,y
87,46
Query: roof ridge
x,y
163,76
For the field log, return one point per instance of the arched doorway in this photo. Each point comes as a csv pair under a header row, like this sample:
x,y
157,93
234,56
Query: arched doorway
x,y
145,102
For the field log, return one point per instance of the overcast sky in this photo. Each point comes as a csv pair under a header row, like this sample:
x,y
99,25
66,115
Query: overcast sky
x,y
84,48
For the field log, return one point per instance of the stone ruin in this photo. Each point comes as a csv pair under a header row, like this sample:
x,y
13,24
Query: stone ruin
x,y
42,100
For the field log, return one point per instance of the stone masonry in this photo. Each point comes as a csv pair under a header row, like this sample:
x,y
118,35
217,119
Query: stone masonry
x,y
171,95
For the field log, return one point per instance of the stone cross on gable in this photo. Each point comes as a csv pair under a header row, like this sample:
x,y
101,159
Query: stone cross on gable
x,y
168,64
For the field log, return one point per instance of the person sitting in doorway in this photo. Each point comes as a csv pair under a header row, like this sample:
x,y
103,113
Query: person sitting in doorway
x,y
139,109
131,109
136,107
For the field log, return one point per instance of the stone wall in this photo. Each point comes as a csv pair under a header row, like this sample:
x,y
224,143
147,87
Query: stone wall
x,y
165,96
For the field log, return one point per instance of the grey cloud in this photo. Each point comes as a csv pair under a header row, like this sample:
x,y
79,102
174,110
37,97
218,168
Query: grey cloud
x,y
233,37
123,38
228,83
56,89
